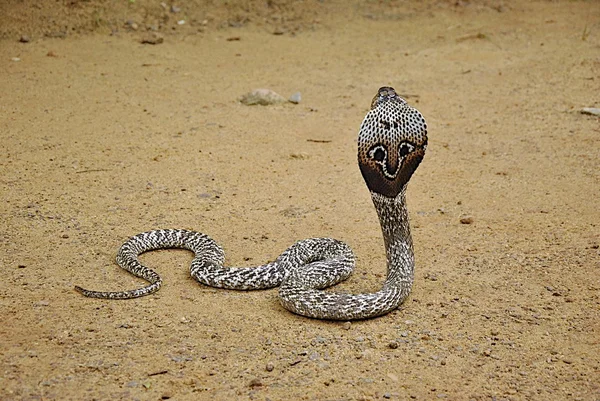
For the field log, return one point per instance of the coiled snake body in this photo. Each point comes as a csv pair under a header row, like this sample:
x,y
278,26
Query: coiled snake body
x,y
391,144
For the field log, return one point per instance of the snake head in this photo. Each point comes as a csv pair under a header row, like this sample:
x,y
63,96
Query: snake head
x,y
391,143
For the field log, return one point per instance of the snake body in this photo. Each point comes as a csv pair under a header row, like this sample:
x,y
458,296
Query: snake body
x,y
391,144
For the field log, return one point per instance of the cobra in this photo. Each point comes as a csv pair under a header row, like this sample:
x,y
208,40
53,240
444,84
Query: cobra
x,y
391,144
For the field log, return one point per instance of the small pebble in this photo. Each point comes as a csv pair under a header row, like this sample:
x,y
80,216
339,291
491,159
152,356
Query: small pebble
x,y
269,367
299,156
15,59
175,9
255,383
152,38
466,220
263,97
393,345
24,39
592,111
346,325
295,98
132,25
387,396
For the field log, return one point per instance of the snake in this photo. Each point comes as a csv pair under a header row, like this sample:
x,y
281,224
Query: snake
x,y
391,144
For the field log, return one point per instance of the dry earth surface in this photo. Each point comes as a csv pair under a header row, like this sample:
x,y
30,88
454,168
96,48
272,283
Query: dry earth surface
x,y
103,137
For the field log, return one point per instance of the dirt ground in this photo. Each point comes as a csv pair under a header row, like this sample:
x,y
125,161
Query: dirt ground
x,y
104,137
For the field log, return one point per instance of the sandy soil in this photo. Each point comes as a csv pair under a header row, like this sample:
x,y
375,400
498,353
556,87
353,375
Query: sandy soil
x,y
104,137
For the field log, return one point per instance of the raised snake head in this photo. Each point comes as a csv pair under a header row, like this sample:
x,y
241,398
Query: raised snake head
x,y
391,143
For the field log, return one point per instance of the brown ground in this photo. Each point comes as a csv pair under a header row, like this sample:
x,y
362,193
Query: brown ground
x,y
103,137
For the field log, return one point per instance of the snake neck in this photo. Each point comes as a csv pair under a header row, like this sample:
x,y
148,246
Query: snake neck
x,y
393,217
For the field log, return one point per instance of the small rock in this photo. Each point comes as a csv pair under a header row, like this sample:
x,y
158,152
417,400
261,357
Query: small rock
x,y
320,340
15,59
295,98
132,25
175,9
430,277
41,303
466,220
387,395
255,383
346,325
393,345
24,39
592,111
269,367
263,97
299,156
152,38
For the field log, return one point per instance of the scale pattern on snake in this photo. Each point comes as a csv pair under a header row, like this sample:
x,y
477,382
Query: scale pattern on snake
x,y
391,144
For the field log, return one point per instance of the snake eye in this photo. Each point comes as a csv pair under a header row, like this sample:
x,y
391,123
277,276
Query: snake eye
x,y
378,153
404,149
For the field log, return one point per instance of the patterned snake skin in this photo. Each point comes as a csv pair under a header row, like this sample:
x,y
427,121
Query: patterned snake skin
x,y
391,144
